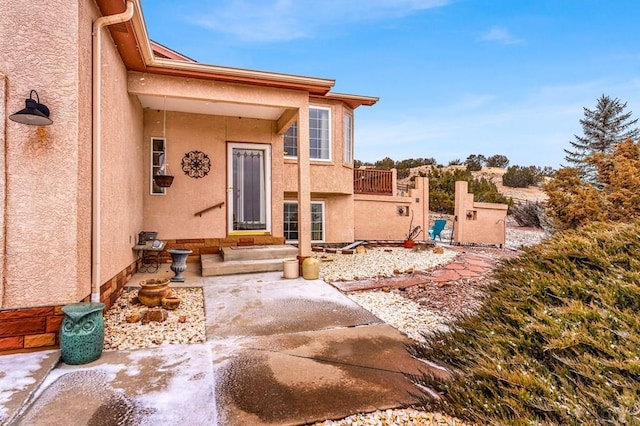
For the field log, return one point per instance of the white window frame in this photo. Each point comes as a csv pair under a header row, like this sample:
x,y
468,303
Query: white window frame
x,y
324,220
153,188
348,138
329,133
293,203
287,155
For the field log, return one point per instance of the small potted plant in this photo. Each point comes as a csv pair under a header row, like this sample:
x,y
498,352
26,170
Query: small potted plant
x,y
414,232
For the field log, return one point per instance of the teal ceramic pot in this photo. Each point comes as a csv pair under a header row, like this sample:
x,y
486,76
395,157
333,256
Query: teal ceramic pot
x,y
82,333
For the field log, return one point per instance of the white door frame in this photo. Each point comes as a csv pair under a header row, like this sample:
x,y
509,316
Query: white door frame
x,y
265,190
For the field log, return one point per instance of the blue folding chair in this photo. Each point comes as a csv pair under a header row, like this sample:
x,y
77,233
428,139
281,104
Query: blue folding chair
x,y
437,228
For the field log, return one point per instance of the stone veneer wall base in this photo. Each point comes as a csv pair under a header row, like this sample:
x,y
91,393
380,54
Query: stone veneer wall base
x,y
213,245
24,330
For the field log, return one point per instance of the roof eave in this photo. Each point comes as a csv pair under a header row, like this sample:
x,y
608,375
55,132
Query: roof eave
x,y
134,46
315,86
353,101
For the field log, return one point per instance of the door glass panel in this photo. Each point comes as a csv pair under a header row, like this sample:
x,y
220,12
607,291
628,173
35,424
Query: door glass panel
x,y
249,206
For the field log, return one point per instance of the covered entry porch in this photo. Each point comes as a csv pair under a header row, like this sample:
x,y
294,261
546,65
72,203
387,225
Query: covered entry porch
x,y
237,199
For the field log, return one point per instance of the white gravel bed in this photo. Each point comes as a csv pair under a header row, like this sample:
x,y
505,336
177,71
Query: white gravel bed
x,y
401,313
379,262
120,334
400,417
517,237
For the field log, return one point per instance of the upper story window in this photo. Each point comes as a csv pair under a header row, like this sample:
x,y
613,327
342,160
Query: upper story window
x,y
291,141
158,155
348,138
320,133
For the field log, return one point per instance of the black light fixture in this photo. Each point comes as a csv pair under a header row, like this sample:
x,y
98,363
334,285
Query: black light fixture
x,y
34,114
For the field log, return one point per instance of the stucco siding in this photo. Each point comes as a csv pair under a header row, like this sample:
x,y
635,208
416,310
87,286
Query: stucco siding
x,y
377,217
3,182
172,214
43,184
87,14
478,223
339,216
121,164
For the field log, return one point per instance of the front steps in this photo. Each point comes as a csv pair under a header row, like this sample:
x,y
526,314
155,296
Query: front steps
x,y
244,260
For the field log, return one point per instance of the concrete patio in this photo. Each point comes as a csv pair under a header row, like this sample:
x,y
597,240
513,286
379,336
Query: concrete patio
x,y
277,352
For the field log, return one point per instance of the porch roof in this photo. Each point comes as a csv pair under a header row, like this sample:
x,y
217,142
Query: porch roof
x,y
137,53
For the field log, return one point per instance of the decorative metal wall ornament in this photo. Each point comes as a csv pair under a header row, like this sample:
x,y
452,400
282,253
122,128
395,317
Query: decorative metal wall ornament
x,y
196,164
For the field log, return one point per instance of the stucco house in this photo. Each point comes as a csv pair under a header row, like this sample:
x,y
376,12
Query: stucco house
x,y
257,158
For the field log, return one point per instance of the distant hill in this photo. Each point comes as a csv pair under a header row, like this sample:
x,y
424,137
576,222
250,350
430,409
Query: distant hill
x,y
532,193
494,174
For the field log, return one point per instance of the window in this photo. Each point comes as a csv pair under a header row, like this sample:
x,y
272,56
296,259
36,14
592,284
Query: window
x,y
320,133
348,138
158,153
317,221
291,221
291,141
319,136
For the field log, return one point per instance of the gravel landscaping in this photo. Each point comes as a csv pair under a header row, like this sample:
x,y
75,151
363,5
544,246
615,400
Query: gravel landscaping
x,y
379,262
184,325
402,417
402,313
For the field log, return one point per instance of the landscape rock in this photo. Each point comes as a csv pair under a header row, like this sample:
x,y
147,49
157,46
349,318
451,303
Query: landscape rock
x,y
135,317
155,315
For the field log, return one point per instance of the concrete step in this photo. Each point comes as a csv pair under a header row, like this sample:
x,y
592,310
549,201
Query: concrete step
x,y
213,265
259,252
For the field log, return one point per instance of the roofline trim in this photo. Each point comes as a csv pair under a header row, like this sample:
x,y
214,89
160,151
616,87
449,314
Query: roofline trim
x,y
313,85
241,72
169,53
353,101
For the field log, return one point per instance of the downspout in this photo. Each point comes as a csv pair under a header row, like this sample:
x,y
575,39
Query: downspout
x,y
97,144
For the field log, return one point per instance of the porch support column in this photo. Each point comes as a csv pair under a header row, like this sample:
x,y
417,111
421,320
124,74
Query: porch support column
x,y
304,184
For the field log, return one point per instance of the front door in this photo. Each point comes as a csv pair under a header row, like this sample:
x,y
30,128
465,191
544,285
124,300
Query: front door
x,y
249,188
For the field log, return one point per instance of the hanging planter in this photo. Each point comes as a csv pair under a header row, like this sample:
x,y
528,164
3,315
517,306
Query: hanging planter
x,y
163,181
164,178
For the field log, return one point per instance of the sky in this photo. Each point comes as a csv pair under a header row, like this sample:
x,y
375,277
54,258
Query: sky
x,y
454,77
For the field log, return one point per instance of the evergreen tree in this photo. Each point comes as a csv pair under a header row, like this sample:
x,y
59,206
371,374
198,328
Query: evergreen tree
x,y
572,202
475,162
603,128
385,164
497,161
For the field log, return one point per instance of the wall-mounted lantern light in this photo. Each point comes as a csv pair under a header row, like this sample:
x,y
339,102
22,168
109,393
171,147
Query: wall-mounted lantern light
x,y
34,114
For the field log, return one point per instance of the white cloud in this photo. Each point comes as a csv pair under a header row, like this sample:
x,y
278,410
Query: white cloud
x,y
500,35
282,20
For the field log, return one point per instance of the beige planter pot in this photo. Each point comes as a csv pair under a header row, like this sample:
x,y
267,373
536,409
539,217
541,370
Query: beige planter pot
x,y
291,268
311,268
